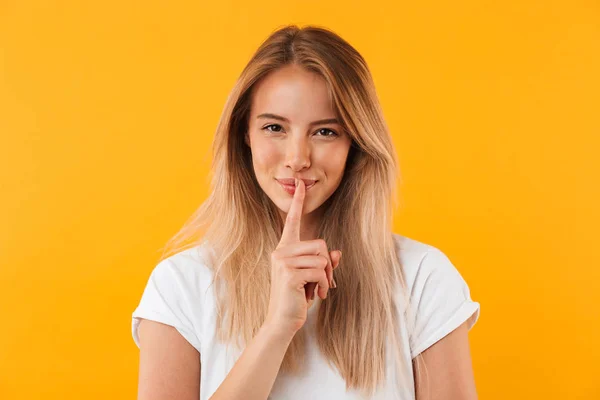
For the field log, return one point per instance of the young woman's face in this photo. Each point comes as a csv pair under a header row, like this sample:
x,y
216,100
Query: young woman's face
x,y
288,143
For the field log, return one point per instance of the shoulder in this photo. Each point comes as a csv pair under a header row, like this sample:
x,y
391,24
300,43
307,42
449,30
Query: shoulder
x,y
428,272
176,293
440,297
418,258
185,274
189,263
410,251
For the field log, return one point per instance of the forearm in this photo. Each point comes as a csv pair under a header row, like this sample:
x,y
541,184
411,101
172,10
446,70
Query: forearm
x,y
253,375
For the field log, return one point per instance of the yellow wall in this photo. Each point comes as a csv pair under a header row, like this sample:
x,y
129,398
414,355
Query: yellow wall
x,y
107,111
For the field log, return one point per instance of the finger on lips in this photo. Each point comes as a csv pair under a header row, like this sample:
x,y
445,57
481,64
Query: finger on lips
x,y
291,230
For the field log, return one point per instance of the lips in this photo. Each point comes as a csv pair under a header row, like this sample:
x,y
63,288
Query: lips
x,y
292,182
291,189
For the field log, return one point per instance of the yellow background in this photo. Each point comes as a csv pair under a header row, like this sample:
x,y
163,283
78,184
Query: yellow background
x,y
107,111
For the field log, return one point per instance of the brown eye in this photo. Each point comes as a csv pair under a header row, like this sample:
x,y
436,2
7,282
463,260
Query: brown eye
x,y
328,130
268,126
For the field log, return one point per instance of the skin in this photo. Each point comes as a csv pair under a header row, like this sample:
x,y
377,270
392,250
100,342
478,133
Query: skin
x,y
294,148
170,366
449,367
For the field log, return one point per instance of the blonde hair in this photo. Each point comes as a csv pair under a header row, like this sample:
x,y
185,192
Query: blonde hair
x,y
243,226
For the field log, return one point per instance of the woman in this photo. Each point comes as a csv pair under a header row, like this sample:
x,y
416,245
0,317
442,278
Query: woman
x,y
304,170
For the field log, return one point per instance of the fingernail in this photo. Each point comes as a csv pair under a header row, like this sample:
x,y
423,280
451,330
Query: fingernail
x,y
333,283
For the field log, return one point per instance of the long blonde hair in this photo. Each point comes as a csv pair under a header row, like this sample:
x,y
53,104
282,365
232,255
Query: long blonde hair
x,y
243,226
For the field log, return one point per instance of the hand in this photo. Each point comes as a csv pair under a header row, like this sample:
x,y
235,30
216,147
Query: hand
x,y
297,268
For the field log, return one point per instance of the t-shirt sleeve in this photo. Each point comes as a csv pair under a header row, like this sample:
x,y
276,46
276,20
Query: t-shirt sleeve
x,y
441,301
167,299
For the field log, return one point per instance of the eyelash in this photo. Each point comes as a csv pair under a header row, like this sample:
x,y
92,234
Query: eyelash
x,y
327,129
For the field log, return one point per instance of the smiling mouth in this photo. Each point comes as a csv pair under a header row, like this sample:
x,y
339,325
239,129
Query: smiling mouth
x,y
291,189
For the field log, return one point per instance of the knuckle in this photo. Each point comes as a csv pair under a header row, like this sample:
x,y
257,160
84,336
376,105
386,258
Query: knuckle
x,y
323,261
284,263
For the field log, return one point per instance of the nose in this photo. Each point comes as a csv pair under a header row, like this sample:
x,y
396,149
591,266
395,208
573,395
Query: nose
x,y
298,154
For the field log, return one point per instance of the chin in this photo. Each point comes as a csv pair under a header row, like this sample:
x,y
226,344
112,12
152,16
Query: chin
x,y
284,202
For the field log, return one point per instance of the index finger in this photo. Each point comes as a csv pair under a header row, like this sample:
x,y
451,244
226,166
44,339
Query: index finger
x,y
291,229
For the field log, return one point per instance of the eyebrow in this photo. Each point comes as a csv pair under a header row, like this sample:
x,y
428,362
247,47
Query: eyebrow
x,y
280,118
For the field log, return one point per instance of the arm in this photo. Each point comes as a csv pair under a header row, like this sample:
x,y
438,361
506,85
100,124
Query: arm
x,y
449,374
253,375
169,364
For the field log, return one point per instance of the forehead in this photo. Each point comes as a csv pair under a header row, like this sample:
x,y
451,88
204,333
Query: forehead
x,y
293,92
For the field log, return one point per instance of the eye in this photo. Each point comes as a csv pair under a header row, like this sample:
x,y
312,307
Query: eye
x,y
333,133
268,126
329,130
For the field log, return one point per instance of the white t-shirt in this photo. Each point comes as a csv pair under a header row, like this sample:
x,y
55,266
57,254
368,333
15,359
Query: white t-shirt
x,y
178,294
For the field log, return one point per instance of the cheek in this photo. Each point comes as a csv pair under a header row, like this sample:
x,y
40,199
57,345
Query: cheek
x,y
264,156
333,163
